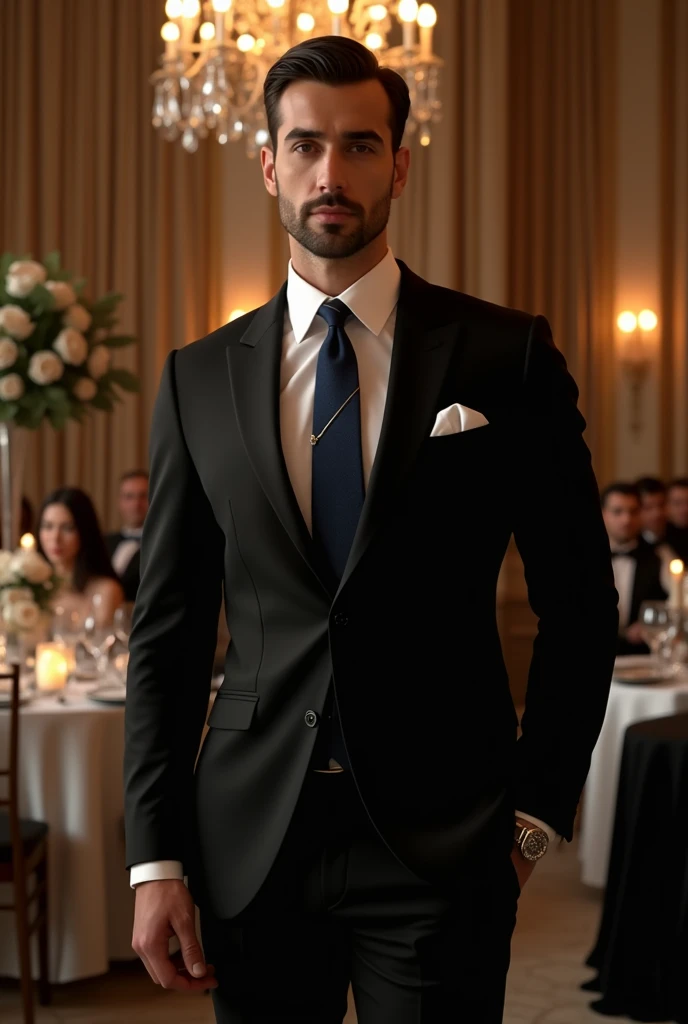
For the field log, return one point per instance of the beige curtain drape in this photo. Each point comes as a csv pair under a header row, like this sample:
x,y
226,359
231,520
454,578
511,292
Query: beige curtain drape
x,y
82,171
674,239
561,190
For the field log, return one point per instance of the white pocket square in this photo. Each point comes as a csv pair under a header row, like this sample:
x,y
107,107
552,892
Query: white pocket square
x,y
456,419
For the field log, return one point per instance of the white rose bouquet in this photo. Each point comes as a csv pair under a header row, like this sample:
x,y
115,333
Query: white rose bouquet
x,y
28,586
55,346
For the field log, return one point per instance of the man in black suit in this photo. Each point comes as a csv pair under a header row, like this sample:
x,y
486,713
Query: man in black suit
x,y
637,567
124,546
361,810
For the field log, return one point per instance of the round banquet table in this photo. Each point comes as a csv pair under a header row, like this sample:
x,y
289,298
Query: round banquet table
x,y
627,704
641,952
71,777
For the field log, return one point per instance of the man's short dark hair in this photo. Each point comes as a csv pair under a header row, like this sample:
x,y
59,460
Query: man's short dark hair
x,y
620,487
334,60
133,474
679,481
650,485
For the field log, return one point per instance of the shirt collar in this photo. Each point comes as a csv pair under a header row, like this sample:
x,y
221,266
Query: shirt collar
x,y
371,299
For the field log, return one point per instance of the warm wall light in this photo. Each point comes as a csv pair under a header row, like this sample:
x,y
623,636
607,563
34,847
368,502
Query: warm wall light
x,y
636,356
27,542
235,314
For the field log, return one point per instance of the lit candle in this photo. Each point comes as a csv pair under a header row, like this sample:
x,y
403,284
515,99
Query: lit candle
x,y
427,18
52,666
28,542
407,13
220,7
676,568
170,33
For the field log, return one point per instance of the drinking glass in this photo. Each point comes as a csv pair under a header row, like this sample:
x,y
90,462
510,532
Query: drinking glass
x,y
656,620
122,623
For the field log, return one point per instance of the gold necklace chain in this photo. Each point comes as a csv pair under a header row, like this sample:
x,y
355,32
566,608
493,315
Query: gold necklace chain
x,y
316,437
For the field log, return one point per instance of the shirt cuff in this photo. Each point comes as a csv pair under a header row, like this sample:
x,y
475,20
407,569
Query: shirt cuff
x,y
156,871
539,822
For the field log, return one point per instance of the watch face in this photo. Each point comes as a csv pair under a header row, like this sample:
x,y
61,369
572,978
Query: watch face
x,y
534,844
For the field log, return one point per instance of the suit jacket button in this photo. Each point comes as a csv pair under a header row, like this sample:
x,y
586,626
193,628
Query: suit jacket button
x,y
341,619
311,719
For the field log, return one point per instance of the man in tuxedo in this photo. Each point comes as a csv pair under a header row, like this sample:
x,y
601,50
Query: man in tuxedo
x,y
677,515
637,566
124,545
336,460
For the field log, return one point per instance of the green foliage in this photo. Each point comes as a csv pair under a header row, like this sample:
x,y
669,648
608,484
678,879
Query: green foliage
x,y
57,402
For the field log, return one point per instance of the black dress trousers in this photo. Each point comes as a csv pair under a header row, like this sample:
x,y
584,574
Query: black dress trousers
x,y
338,907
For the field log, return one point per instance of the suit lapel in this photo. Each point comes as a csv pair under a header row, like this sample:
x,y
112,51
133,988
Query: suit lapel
x,y
424,341
254,373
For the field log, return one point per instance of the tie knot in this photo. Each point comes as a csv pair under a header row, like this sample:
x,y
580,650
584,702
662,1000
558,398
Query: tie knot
x,y
334,312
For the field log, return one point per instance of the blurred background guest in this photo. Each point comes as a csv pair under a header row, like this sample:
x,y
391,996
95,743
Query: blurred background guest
x,y
124,545
637,566
677,517
653,515
69,536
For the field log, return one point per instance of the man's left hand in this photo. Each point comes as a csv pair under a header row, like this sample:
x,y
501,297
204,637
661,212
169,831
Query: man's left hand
x,y
524,868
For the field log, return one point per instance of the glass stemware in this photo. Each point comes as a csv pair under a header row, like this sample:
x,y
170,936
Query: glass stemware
x,y
656,620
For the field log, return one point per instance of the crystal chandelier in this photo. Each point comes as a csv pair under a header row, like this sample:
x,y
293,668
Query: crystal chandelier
x,y
218,52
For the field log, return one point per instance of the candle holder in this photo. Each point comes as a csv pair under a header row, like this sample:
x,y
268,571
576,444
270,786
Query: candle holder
x,y
52,667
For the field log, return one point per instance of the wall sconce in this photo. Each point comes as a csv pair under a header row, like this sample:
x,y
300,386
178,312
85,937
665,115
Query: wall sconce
x,y
235,314
636,356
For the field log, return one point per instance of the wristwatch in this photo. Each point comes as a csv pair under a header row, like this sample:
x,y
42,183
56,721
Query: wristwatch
x,y
531,840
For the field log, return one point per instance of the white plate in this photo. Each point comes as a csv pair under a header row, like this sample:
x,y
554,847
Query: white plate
x,y
110,694
641,675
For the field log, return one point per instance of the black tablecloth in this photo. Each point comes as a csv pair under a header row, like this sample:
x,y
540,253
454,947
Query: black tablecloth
x,y
641,953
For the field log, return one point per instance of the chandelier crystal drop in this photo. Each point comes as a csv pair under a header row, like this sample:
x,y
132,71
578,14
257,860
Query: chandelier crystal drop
x,y
218,52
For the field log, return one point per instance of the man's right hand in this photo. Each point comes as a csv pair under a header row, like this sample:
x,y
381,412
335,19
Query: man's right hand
x,y
165,909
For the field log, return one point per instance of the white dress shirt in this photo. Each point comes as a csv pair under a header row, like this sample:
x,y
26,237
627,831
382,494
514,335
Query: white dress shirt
x,y
373,301
126,549
624,567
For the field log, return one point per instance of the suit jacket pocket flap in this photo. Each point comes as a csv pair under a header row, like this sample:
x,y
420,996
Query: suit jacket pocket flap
x,y
233,709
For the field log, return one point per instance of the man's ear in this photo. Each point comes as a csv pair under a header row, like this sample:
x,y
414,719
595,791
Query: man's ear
x,y
267,161
402,159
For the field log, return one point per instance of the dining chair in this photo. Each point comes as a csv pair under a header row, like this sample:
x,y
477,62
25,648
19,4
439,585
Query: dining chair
x,y
23,857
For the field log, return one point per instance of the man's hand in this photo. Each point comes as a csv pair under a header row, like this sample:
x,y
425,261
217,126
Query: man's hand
x,y
635,634
524,868
165,909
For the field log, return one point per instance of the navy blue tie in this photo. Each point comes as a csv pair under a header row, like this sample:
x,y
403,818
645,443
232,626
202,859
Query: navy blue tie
x,y
338,488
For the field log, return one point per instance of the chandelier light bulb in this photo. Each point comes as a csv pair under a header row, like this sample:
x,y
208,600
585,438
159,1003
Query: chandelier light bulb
x,y
191,8
305,22
338,6
170,32
407,10
207,31
373,41
262,137
221,6
378,12
276,4
427,16
647,320
174,9
246,42
627,322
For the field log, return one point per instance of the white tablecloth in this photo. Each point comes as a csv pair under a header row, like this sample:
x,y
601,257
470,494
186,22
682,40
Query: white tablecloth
x,y
71,777
627,704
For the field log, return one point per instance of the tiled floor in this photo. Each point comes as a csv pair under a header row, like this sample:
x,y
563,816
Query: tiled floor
x,y
557,924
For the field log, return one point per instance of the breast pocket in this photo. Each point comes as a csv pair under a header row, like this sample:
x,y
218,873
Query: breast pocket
x,y
233,709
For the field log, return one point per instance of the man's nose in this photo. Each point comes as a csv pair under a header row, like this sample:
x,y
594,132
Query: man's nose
x,y
331,173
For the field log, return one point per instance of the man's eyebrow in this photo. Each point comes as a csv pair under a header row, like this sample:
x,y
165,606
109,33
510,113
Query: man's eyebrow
x,y
364,135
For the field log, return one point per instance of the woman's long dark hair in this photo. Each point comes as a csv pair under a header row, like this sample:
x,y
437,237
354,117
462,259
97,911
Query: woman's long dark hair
x,y
92,557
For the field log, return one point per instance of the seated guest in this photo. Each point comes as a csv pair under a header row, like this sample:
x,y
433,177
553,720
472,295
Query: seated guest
x,y
637,567
124,545
653,516
69,536
677,517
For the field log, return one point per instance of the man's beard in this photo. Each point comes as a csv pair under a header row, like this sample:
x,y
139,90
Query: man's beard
x,y
333,241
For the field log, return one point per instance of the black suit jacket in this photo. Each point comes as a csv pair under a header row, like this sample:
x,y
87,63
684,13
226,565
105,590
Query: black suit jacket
x,y
647,586
409,634
131,576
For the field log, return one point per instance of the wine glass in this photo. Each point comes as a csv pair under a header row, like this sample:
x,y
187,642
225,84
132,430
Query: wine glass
x,y
656,620
122,623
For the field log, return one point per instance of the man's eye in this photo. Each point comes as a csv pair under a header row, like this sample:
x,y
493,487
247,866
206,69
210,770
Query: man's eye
x,y
303,147
360,147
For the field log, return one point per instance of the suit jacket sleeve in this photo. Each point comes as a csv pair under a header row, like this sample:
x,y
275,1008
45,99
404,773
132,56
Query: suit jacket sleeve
x,y
172,643
561,536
